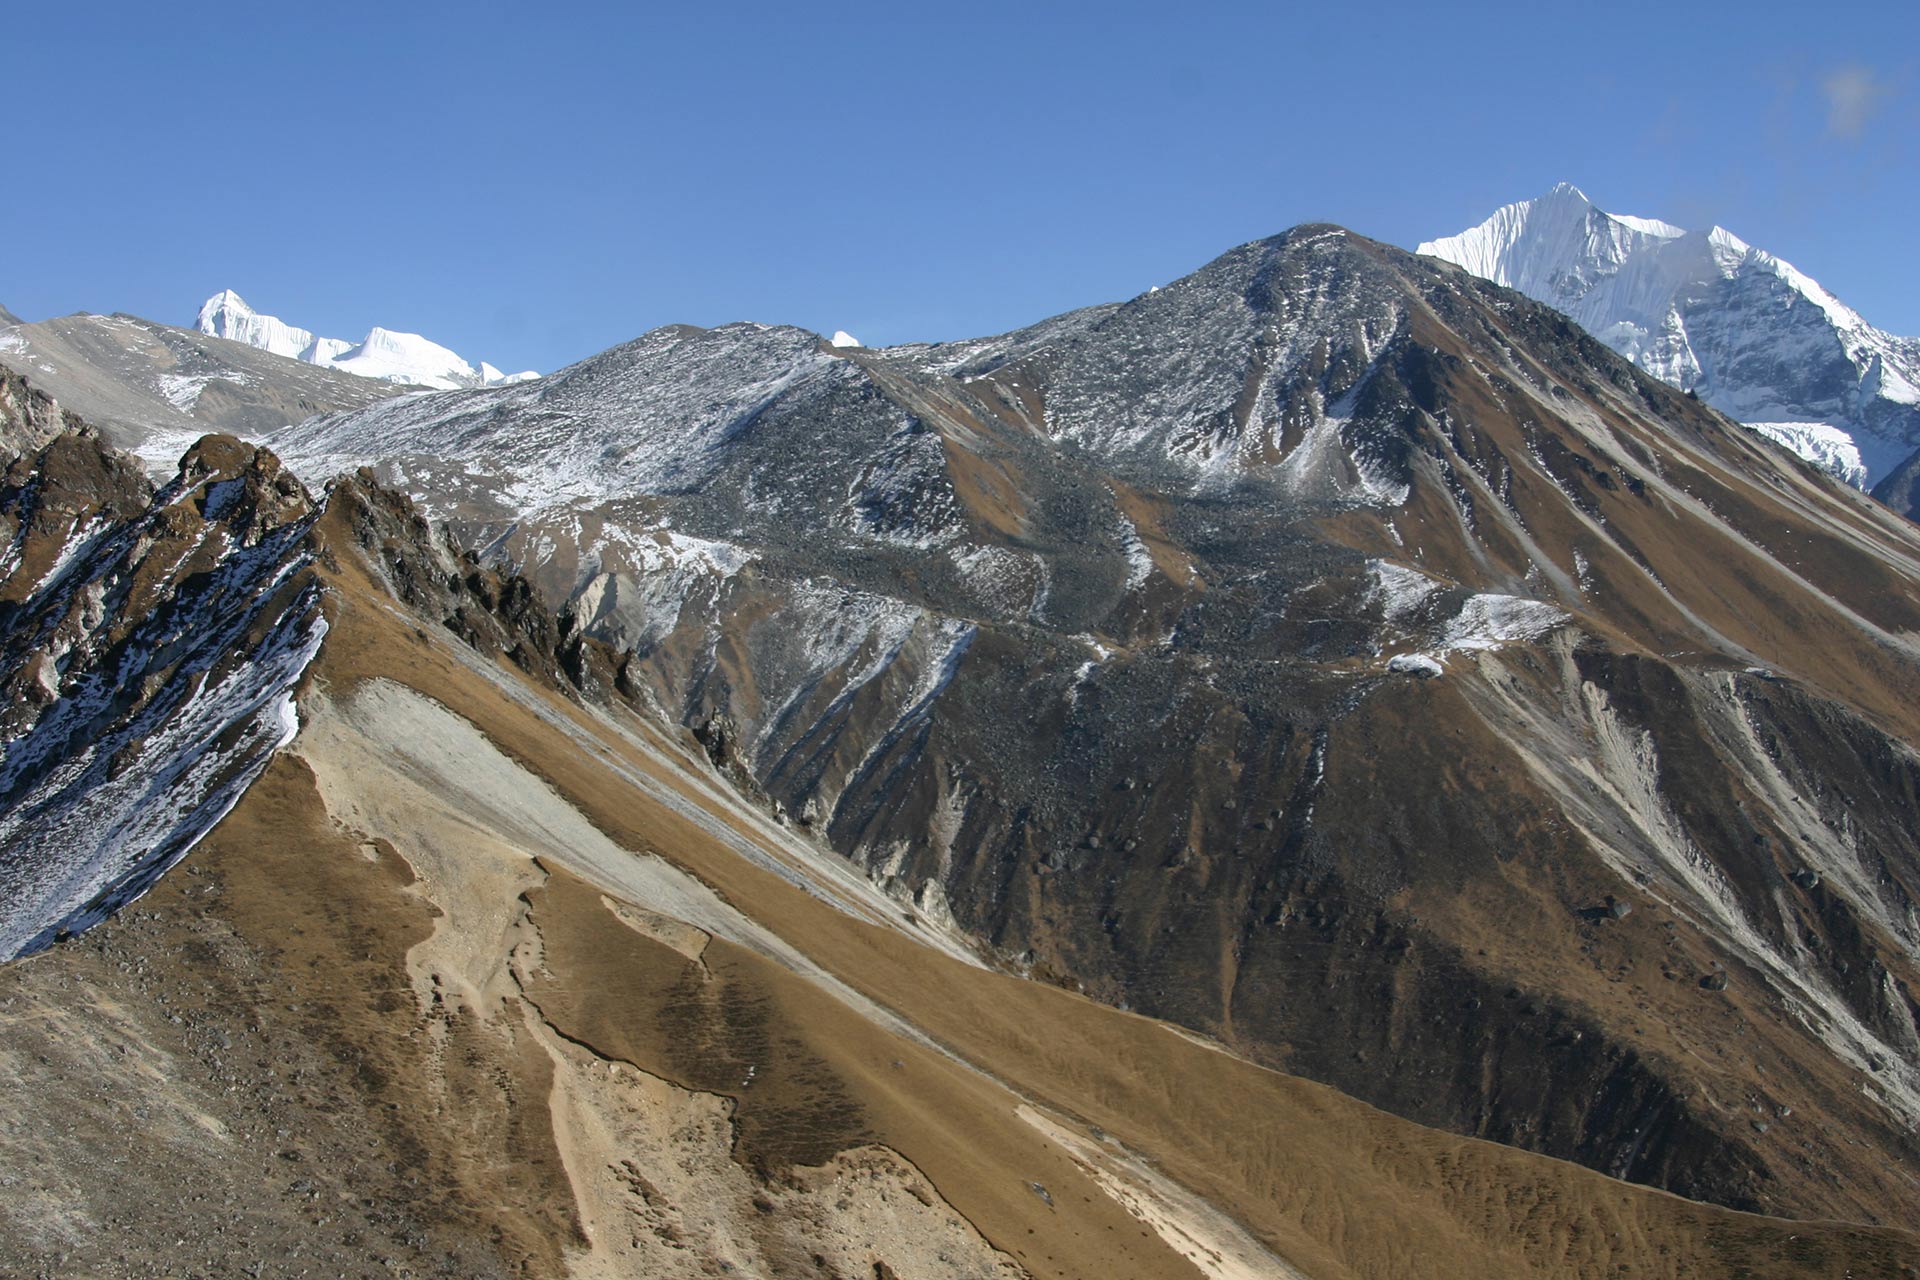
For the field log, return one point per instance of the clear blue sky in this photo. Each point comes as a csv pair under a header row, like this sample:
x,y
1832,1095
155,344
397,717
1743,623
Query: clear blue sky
x,y
530,184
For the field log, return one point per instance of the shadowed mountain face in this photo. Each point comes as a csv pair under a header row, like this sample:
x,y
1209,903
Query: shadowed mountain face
x,y
1330,651
1901,488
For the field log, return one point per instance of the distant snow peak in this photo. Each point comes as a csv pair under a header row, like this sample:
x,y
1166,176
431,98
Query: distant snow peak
x,y
405,358
1704,310
841,338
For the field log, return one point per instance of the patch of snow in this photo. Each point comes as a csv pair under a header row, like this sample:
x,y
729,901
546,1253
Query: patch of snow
x,y
1490,621
905,496
182,391
644,605
841,338
1415,664
1139,559
1483,621
1323,467
1399,591
1000,577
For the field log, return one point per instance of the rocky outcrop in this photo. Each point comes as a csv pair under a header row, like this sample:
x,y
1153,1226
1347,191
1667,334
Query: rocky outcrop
x,y
149,642
29,418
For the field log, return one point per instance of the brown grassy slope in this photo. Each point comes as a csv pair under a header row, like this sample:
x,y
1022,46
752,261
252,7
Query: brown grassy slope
x,y
234,1073
1699,536
1337,1187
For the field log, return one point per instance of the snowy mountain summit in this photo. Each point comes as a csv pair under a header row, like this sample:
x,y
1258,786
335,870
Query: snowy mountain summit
x,y
395,357
1751,335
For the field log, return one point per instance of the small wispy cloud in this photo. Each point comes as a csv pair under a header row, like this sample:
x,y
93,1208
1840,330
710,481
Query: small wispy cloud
x,y
1853,94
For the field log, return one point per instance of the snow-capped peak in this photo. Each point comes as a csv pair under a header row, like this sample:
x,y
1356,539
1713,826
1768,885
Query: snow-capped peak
x,y
1704,310
405,358
227,315
222,307
841,338
1530,245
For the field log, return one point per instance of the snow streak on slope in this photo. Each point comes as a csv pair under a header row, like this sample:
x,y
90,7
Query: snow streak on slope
x,y
1413,602
1752,335
395,357
150,742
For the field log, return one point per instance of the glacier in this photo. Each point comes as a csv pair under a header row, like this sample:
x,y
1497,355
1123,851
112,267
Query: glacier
x,y
1747,332
405,358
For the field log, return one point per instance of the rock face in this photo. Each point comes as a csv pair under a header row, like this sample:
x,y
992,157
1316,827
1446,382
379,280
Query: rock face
x,y
29,418
154,389
1088,639
1708,313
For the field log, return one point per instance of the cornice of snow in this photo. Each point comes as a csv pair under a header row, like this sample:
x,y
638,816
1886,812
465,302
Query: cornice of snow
x,y
405,358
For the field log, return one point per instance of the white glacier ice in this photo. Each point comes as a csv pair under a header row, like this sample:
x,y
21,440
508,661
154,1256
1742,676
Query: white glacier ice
x,y
1749,333
406,358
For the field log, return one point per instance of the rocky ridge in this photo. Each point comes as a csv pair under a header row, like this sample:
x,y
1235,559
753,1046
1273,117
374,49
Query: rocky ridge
x,y
149,643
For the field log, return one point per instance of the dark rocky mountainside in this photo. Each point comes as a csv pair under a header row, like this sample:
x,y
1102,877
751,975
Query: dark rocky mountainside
x,y
1331,652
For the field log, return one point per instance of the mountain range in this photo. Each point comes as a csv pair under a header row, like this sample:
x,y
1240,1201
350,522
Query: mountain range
x,y
406,358
1751,335
1323,768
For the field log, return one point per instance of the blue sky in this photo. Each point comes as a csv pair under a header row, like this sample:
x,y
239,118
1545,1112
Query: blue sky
x,y
532,184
